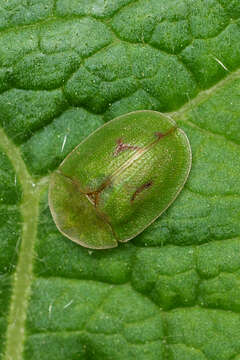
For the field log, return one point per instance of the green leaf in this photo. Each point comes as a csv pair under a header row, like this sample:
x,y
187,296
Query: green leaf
x,y
66,67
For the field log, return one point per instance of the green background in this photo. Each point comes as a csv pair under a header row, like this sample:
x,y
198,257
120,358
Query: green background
x,y
67,67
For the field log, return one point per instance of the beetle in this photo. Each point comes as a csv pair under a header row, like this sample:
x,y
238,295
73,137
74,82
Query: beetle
x,y
120,179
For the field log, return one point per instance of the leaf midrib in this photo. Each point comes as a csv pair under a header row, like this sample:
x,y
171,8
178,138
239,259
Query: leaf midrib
x,y
22,278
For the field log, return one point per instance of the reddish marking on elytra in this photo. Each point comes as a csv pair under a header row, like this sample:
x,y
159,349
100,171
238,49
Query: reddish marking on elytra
x,y
161,135
121,147
94,195
140,189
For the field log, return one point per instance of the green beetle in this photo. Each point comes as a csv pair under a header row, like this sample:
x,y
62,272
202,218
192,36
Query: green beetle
x,y
120,179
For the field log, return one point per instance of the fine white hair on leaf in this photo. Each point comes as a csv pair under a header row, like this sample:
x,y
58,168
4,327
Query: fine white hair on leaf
x,y
64,142
68,304
49,310
220,63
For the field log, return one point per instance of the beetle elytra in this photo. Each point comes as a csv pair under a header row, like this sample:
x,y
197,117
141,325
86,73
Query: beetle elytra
x,y
120,179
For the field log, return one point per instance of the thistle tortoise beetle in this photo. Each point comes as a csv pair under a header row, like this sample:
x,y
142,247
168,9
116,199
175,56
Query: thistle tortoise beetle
x,y
120,179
